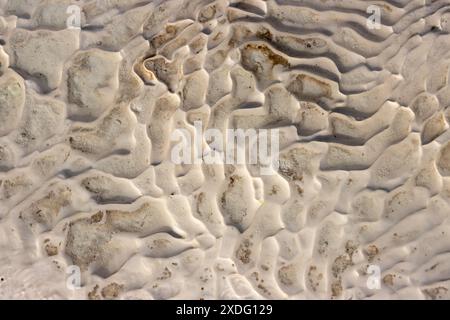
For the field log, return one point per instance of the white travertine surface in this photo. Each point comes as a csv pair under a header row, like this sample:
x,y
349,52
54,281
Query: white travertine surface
x,y
91,92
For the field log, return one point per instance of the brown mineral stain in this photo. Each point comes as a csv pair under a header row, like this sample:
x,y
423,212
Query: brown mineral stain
x,y
389,279
51,249
97,217
112,290
372,251
243,252
267,52
93,295
264,34
336,288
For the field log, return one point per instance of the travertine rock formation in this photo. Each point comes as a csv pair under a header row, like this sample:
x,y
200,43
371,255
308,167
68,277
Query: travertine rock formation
x,y
91,92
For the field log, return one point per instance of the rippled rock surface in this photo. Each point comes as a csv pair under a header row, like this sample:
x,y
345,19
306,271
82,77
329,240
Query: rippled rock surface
x,y
93,205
